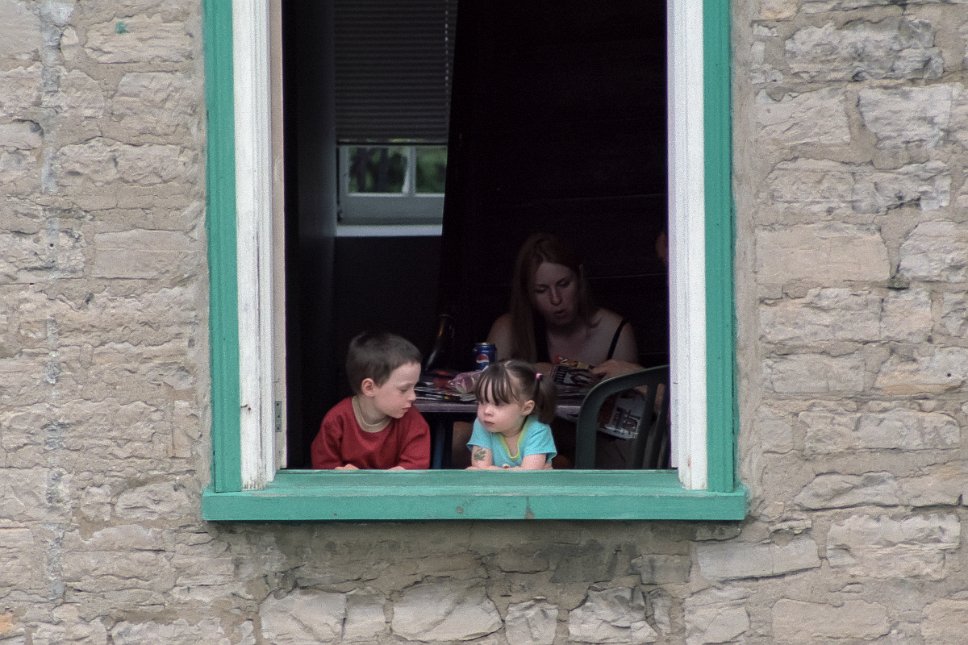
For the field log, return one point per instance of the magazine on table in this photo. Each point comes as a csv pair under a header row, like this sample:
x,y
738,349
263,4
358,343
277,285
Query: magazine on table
x,y
571,375
619,416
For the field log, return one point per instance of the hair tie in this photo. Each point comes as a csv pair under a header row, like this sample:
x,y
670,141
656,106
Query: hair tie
x,y
537,377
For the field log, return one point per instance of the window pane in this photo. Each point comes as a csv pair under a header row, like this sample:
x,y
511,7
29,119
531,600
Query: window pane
x,y
377,169
431,169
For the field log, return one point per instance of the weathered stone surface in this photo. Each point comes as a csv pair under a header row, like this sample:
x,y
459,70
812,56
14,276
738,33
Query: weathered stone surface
x,y
795,621
840,431
959,105
101,571
823,6
835,188
303,616
69,626
934,486
445,611
56,251
613,615
580,563
945,621
815,374
906,316
823,315
21,135
159,500
155,103
775,431
19,170
80,96
140,39
99,162
825,254
534,621
954,314
365,619
22,577
936,251
21,35
181,632
883,547
717,616
141,253
850,310
21,89
24,492
656,569
932,371
837,490
860,50
662,604
907,116
818,118
777,9
731,560
522,559
204,575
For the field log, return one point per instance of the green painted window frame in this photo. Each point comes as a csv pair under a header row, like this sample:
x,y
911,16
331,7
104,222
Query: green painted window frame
x,y
442,495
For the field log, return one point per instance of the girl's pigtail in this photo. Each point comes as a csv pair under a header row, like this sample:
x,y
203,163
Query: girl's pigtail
x,y
545,397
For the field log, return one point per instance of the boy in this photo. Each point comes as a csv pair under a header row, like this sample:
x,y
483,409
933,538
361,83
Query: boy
x,y
377,427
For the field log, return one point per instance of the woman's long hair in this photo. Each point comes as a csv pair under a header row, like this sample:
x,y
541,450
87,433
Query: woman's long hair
x,y
540,247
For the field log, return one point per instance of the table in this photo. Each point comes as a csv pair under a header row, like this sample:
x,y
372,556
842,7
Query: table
x,y
442,414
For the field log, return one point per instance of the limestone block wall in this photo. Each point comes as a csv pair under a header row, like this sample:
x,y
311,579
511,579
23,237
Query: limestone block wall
x,y
850,150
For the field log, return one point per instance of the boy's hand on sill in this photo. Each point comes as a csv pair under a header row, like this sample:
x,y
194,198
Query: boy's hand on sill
x,y
346,467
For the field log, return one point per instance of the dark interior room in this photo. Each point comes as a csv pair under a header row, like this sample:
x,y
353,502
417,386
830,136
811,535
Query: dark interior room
x,y
557,123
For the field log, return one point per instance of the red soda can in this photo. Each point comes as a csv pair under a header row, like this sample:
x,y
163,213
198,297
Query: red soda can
x,y
484,354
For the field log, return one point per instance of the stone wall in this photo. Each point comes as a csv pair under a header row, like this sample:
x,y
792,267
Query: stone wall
x,y
850,122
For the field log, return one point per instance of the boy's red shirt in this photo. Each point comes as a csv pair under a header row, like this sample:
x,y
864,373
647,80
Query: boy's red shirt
x,y
404,442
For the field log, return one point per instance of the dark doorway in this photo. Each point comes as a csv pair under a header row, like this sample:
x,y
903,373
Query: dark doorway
x,y
558,123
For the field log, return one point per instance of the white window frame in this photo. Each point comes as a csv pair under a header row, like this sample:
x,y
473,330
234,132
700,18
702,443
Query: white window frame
x,y
687,257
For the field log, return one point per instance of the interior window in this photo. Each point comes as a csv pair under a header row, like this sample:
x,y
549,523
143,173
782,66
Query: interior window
x,y
392,80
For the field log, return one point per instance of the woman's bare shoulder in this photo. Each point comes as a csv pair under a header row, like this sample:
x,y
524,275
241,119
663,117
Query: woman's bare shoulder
x,y
607,319
500,335
501,324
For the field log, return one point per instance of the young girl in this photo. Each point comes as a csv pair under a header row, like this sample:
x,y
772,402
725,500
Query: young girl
x,y
514,406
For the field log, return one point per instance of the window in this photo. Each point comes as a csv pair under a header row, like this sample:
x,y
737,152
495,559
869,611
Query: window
x,y
392,78
391,184
245,484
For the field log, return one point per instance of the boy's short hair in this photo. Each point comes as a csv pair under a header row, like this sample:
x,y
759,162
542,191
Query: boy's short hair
x,y
375,355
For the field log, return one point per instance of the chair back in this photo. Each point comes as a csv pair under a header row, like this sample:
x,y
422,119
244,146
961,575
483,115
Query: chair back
x,y
650,447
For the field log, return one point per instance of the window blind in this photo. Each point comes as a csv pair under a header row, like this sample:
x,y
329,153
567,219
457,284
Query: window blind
x,y
393,68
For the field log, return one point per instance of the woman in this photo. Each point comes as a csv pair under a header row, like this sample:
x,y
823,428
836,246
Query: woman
x,y
552,314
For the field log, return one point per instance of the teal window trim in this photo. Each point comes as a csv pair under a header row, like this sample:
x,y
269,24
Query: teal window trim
x,y
438,495
721,395
220,229
461,495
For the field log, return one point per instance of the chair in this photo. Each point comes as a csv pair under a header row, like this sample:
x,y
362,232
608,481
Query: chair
x,y
650,448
